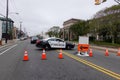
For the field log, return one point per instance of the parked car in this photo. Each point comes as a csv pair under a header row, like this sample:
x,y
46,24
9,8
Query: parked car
x,y
34,39
54,43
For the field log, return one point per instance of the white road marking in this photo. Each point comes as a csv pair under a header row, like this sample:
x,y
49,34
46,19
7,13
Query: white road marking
x,y
8,49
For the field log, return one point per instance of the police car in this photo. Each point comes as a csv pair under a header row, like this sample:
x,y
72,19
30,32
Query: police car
x,y
54,43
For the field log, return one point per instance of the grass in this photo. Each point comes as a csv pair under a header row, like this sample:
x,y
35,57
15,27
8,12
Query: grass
x,y
106,44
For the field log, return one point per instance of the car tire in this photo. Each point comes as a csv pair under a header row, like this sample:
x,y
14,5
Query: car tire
x,y
47,47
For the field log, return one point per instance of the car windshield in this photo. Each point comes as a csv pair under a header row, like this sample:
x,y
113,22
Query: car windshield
x,y
46,39
34,37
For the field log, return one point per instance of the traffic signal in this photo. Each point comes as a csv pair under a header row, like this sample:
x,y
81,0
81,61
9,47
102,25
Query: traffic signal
x,y
97,2
104,0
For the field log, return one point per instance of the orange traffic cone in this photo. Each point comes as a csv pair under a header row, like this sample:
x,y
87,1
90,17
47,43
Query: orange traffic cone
x,y
106,52
43,57
118,54
25,58
60,56
90,53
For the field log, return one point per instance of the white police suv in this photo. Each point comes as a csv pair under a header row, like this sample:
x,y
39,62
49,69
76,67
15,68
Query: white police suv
x,y
54,43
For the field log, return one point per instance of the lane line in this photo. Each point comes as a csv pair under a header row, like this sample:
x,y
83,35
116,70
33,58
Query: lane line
x,y
8,49
101,69
108,72
4,48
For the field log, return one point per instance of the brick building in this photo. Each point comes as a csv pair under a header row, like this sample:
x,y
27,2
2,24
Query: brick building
x,y
66,34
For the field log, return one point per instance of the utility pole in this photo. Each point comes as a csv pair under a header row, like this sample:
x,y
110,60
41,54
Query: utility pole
x,y
7,9
20,28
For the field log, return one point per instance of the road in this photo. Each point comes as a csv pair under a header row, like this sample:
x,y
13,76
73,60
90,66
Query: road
x,y
72,67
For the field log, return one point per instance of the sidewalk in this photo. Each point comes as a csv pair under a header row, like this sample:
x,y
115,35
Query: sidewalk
x,y
9,41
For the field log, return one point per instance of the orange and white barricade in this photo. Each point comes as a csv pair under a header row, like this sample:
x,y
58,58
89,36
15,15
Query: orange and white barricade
x,y
83,46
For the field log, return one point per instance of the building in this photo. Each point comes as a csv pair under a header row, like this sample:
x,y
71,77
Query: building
x,y
3,28
0,32
65,32
16,33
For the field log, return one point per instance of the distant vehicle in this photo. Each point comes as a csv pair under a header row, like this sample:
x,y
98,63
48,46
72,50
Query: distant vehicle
x,y
23,38
34,39
54,43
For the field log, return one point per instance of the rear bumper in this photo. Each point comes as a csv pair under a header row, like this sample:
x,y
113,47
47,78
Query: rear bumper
x,y
34,41
39,46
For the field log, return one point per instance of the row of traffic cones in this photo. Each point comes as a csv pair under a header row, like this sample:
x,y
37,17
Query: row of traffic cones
x,y
43,56
60,56
106,53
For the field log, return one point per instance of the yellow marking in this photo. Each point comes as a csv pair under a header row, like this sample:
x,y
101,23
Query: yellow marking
x,y
106,71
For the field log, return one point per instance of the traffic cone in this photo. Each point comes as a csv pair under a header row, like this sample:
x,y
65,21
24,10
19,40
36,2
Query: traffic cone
x,y
106,52
25,58
43,57
118,54
90,53
60,56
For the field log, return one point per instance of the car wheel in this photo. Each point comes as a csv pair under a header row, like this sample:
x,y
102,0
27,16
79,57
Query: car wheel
x,y
47,47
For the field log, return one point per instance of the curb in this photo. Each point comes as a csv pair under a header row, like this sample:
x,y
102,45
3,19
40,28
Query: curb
x,y
104,48
9,42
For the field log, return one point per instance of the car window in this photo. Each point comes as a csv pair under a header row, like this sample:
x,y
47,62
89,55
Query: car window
x,y
51,40
34,37
59,40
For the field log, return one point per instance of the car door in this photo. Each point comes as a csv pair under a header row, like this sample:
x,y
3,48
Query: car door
x,y
61,43
53,43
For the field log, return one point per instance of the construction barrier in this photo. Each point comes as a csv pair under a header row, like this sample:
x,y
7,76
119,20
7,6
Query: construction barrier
x,y
83,46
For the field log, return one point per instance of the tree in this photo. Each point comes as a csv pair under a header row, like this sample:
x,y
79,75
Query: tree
x,y
106,23
80,28
54,31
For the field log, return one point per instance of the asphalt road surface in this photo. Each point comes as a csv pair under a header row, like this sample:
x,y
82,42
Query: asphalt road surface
x,y
12,66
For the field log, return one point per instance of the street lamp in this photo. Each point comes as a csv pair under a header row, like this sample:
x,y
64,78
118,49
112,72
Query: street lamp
x,y
14,13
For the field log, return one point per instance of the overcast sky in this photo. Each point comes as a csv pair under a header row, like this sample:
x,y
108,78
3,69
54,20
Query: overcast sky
x,y
40,15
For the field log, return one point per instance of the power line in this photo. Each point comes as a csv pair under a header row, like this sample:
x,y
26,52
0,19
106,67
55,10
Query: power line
x,y
14,5
2,8
11,6
2,5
